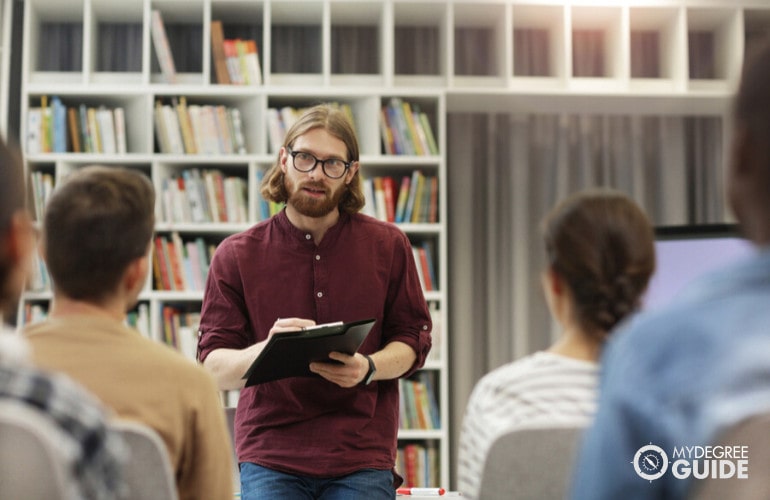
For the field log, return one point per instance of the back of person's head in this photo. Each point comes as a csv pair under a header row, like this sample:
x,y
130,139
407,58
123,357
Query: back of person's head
x,y
333,120
601,244
751,106
97,221
12,201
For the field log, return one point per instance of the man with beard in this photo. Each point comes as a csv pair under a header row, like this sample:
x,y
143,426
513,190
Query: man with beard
x,y
317,261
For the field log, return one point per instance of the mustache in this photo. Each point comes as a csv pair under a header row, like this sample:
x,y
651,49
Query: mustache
x,y
316,186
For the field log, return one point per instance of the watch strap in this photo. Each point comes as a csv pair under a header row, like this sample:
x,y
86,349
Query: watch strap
x,y
372,370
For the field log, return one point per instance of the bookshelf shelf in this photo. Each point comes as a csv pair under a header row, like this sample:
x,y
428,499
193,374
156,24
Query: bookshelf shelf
x,y
667,57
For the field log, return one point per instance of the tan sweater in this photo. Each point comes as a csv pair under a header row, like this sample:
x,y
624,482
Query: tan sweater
x,y
150,383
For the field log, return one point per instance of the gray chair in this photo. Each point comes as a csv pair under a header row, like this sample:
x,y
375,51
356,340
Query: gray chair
x,y
754,433
32,464
148,472
530,464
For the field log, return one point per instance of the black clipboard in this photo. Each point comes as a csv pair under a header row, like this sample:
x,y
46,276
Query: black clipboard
x,y
288,354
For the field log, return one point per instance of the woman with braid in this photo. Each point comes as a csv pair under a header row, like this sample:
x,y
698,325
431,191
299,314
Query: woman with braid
x,y
600,256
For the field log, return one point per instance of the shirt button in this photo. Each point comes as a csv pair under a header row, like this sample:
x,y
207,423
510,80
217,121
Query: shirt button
x,y
320,294
317,257
307,236
424,327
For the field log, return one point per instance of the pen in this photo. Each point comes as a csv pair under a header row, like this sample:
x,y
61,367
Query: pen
x,y
421,491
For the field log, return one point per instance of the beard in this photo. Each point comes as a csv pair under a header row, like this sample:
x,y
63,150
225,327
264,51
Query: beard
x,y
311,206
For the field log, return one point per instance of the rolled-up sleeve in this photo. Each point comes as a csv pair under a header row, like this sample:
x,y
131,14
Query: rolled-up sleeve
x,y
224,318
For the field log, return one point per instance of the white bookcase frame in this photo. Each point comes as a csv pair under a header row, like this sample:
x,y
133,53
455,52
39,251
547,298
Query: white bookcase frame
x,y
445,81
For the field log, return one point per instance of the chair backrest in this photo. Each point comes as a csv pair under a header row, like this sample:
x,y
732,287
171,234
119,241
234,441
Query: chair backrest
x,y
530,464
147,472
754,433
32,464
230,417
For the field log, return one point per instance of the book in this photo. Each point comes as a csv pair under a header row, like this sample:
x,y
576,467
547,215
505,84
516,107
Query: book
x,y
120,130
218,52
162,48
59,131
34,130
252,63
289,354
106,130
233,63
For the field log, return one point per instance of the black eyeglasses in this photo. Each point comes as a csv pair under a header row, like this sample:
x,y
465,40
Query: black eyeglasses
x,y
333,168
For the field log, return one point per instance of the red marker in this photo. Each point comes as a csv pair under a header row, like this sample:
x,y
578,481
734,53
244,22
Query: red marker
x,y
431,492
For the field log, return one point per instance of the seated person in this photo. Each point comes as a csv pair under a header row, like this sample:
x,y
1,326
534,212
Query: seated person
x,y
92,452
600,249
704,356
97,237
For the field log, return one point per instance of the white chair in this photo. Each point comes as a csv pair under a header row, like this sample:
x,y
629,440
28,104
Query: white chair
x,y
147,472
754,432
530,464
32,463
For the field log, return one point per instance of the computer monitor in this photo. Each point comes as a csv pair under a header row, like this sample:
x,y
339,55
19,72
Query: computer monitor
x,y
684,253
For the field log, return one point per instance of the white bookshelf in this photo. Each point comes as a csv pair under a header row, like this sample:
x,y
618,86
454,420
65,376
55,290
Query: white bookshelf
x,y
6,19
83,76
446,55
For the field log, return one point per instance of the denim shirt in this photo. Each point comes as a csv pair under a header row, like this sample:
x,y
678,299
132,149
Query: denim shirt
x,y
677,377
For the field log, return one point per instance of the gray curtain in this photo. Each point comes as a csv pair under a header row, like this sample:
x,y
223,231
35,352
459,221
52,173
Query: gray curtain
x,y
506,171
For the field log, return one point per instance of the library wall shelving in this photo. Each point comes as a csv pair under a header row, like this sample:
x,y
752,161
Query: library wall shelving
x,y
6,18
96,90
103,60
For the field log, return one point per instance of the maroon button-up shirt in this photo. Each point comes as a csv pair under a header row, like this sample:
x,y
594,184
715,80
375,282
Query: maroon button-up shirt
x,y
363,268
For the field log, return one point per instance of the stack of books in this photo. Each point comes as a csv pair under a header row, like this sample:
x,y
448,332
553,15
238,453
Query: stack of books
x,y
57,128
181,266
414,201
406,130
418,464
198,129
418,408
236,61
423,258
180,330
201,196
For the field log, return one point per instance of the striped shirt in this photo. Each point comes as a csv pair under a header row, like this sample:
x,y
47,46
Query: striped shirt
x,y
541,388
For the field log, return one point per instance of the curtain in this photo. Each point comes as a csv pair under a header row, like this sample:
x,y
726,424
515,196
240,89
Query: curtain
x,y
506,171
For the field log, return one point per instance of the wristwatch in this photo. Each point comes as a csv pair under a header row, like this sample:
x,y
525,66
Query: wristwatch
x,y
372,370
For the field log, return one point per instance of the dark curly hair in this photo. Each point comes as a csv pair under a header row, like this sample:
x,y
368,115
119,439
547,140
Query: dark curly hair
x,y
602,245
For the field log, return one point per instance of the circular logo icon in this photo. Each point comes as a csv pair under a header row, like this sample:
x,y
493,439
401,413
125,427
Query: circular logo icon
x,y
650,462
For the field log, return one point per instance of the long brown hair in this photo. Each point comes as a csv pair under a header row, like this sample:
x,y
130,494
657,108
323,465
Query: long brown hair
x,y
602,245
333,120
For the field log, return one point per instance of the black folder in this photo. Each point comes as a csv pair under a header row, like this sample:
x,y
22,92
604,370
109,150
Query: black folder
x,y
288,354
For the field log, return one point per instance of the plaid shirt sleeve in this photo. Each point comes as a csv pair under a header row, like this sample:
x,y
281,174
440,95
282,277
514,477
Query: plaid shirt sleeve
x,y
93,452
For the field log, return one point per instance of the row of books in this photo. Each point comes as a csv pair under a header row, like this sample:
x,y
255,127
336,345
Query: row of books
x,y
38,279
419,465
181,266
34,313
418,408
236,61
139,319
280,120
266,209
57,128
406,130
426,270
198,129
198,196
180,330
413,199
42,188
